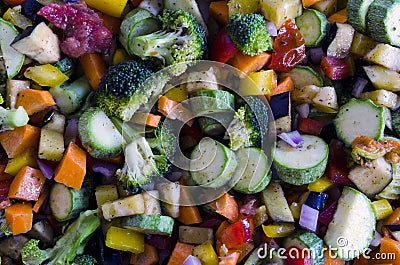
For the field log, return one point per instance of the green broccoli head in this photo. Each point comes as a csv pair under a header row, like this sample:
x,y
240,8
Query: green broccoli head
x,y
249,33
75,238
124,88
180,40
84,260
244,130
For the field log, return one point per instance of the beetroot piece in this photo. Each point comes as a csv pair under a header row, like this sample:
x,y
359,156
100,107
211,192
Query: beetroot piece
x,y
83,29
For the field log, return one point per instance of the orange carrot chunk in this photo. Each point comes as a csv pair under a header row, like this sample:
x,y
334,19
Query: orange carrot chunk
x,y
148,257
180,253
72,169
307,3
27,184
188,215
249,64
16,141
340,17
33,100
147,119
94,68
285,85
111,23
19,218
219,11
391,250
331,259
226,206
42,198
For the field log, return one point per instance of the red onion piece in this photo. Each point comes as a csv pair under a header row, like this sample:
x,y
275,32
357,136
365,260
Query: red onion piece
x,y
316,55
192,260
47,170
309,218
105,168
326,216
359,86
71,131
272,29
376,241
293,138
303,110
249,208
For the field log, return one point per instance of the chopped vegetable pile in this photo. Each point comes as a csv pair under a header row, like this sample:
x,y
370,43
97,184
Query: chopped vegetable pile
x,y
123,142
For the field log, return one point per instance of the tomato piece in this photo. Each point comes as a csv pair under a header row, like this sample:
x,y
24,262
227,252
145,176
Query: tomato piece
x,y
310,126
334,68
296,256
237,233
13,3
289,48
223,48
336,169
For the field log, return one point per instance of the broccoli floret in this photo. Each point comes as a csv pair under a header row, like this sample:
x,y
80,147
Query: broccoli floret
x,y
12,118
249,33
180,40
163,146
244,130
71,243
145,156
4,229
126,86
84,260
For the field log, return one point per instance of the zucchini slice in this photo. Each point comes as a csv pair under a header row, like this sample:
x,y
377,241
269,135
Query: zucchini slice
x,y
357,14
383,22
349,125
307,240
149,223
276,203
303,76
392,191
341,43
302,165
252,170
99,135
212,164
313,26
211,101
353,226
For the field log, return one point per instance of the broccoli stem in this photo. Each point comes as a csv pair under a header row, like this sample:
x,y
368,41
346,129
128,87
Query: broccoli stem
x,y
12,118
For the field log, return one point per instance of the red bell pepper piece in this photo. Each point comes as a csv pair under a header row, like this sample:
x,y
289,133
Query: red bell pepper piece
x,y
289,48
334,68
296,256
337,170
237,233
223,48
310,126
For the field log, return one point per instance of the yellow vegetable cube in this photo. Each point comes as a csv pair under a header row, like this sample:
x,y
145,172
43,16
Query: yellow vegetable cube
x,y
125,240
278,11
120,55
277,230
382,209
113,8
46,75
244,6
177,94
320,185
258,84
27,158
206,253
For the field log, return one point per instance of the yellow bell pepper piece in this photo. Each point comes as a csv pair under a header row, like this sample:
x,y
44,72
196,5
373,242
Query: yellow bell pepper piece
x,y
382,209
278,229
177,94
125,240
320,185
258,84
113,8
46,75
16,18
206,253
27,158
120,55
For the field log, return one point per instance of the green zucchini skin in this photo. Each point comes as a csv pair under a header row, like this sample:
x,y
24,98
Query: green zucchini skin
x,y
307,240
149,223
382,21
357,13
313,26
